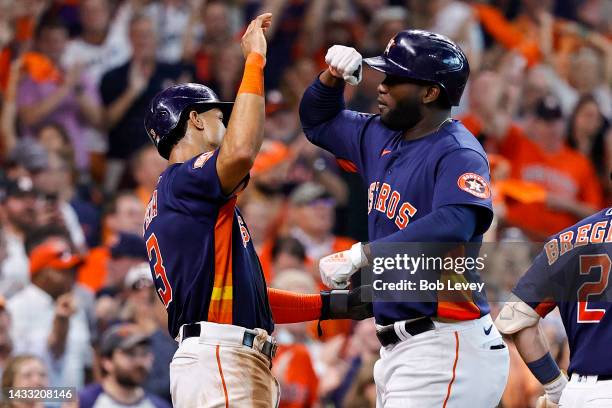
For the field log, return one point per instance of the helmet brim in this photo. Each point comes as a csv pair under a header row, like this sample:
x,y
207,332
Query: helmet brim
x,y
225,107
386,66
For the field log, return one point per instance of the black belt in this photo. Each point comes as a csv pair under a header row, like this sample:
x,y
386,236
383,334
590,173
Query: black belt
x,y
387,335
268,349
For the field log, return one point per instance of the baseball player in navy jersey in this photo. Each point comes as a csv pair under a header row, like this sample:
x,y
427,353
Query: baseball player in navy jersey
x,y
573,273
201,256
428,181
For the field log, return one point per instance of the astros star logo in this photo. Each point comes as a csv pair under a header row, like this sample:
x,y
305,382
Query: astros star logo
x,y
474,184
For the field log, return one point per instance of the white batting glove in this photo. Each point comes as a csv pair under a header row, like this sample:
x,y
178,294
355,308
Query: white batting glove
x,y
552,393
346,61
336,269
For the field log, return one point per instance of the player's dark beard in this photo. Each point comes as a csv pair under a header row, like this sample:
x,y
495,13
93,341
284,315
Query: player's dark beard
x,y
406,114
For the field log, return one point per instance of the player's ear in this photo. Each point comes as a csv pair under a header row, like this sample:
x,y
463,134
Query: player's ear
x,y
196,120
431,93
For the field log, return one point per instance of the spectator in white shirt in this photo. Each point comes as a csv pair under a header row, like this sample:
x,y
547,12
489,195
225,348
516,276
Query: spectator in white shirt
x,y
103,44
6,343
47,319
171,17
17,214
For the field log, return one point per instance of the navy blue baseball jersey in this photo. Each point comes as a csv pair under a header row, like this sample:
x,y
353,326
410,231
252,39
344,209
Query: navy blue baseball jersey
x,y
200,252
573,273
406,180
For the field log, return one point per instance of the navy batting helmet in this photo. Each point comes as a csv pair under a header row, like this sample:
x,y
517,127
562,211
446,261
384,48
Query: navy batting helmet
x,y
425,56
167,109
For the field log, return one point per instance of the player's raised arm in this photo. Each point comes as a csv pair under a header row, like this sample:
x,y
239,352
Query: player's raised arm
x,y
323,114
245,129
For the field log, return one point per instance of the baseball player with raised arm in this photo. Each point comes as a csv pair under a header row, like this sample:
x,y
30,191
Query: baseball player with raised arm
x,y
573,273
205,268
428,181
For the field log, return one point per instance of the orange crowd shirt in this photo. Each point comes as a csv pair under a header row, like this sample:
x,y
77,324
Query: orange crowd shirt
x,y
92,274
296,375
566,173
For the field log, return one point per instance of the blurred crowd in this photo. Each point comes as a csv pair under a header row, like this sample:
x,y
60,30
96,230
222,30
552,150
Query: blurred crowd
x,y
78,306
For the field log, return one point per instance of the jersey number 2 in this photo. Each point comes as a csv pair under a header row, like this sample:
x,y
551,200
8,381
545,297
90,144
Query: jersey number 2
x,y
587,263
165,293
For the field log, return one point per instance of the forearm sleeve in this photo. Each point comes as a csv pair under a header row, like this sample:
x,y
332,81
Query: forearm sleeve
x,y
291,307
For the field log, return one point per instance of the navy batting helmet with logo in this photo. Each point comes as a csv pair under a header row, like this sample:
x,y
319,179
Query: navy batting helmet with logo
x,y
425,56
169,108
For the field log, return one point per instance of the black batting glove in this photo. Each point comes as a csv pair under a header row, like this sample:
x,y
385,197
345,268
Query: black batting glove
x,y
347,304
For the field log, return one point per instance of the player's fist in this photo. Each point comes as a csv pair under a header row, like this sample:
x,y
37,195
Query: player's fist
x,y
253,39
336,269
345,63
544,402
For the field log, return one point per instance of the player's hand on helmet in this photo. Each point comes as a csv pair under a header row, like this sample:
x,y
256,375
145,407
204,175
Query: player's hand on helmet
x,y
336,269
253,39
544,402
345,63
353,304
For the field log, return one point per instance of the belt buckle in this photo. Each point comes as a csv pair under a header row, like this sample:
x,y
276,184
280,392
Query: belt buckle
x,y
273,348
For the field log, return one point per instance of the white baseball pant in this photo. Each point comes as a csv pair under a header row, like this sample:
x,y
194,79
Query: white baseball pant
x,y
452,366
217,370
586,392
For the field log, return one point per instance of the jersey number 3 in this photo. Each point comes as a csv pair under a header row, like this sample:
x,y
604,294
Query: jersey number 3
x,y
165,292
587,264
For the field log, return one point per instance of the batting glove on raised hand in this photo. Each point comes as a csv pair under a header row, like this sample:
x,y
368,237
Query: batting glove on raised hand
x,y
336,269
345,62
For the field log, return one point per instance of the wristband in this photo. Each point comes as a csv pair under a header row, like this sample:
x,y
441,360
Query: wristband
x,y
545,369
252,78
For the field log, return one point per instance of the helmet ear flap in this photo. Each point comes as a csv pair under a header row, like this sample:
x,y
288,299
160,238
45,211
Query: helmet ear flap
x,y
165,146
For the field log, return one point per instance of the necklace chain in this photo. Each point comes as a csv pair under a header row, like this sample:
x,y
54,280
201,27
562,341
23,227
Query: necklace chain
x,y
442,123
